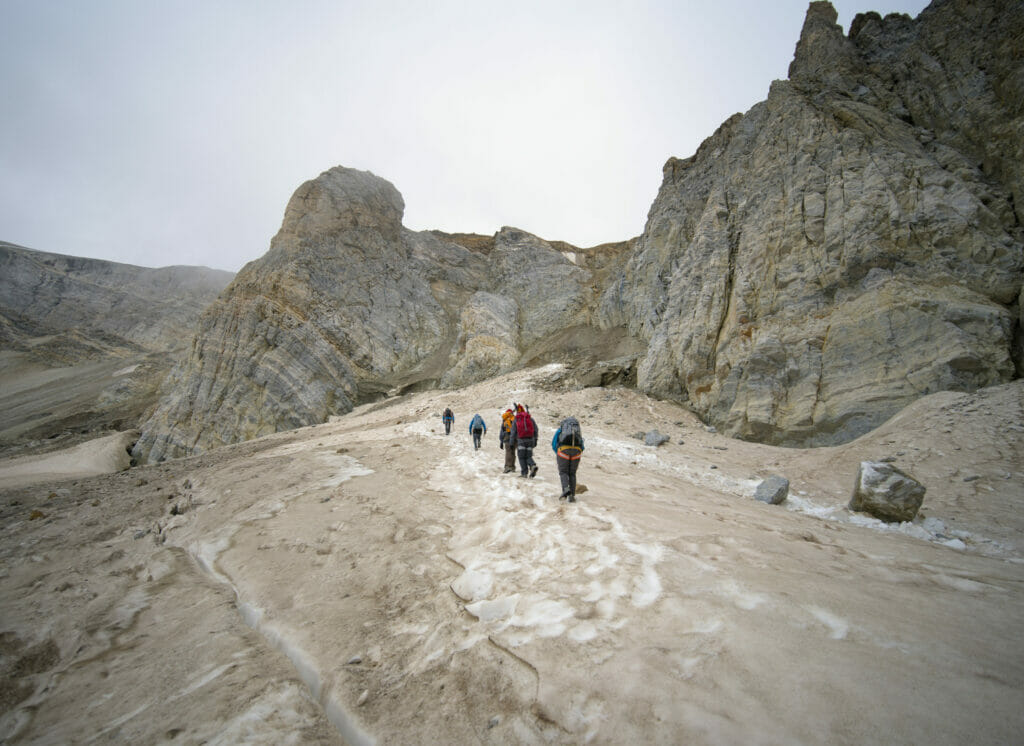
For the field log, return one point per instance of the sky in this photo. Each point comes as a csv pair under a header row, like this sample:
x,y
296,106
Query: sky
x,y
174,132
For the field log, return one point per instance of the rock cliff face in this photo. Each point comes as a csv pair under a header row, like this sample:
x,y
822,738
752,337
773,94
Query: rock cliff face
x,y
849,244
111,304
347,305
85,343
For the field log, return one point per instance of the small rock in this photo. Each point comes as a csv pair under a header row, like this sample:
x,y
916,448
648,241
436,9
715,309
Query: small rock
x,y
187,484
655,439
711,429
772,490
580,488
493,722
355,659
139,534
972,478
36,514
363,697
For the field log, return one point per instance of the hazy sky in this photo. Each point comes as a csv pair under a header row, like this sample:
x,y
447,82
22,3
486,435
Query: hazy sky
x,y
174,132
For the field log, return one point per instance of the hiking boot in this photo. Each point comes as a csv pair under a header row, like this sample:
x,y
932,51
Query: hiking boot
x,y
572,498
533,470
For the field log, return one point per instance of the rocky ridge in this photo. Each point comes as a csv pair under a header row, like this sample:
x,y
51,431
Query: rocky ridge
x,y
845,247
348,305
86,343
851,243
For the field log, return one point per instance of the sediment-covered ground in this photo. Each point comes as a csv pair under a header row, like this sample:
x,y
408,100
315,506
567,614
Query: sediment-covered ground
x,y
373,580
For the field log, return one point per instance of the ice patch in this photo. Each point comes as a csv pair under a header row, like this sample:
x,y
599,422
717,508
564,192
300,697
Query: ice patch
x,y
125,371
489,611
473,585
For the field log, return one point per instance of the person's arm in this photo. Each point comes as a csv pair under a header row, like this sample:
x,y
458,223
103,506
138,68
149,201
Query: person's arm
x,y
554,440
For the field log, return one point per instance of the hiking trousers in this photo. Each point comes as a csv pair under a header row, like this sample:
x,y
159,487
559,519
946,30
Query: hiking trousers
x,y
477,433
510,457
526,461
567,474
447,427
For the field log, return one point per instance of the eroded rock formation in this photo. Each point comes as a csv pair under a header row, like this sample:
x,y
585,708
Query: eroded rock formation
x,y
347,305
848,245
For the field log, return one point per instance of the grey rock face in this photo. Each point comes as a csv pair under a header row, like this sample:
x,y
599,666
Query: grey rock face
x,y
774,490
838,251
846,246
346,305
100,305
886,492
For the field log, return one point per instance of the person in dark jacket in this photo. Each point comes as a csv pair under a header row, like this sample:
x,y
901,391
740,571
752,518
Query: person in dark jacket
x,y
477,428
526,440
447,418
507,439
568,450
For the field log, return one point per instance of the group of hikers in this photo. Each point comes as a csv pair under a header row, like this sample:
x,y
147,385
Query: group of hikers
x,y
518,436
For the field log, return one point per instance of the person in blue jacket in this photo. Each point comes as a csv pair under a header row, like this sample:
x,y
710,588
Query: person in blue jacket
x,y
447,418
568,447
477,428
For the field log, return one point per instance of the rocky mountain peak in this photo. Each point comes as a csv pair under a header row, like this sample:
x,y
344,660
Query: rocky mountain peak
x,y
338,200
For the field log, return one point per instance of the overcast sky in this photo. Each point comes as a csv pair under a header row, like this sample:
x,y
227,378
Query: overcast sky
x,y
174,132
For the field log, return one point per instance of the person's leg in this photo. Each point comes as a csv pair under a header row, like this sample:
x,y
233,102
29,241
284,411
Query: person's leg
x,y
510,458
571,473
563,476
524,465
531,462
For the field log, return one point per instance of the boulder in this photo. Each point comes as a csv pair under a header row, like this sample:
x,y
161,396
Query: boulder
x,y
886,492
655,439
772,490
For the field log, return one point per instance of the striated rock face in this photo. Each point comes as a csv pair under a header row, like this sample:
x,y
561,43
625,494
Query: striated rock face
x,y
86,343
849,244
347,305
98,304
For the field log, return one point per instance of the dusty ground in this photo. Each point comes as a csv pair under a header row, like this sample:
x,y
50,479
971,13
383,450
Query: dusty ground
x,y
300,587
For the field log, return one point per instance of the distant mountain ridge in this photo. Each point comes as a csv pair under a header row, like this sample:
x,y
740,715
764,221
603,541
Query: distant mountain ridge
x,y
85,343
846,246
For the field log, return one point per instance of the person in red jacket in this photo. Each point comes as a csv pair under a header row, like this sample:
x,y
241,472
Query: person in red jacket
x,y
526,441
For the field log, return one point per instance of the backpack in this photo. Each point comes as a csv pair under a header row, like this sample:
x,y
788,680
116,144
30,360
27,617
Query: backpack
x,y
524,426
570,435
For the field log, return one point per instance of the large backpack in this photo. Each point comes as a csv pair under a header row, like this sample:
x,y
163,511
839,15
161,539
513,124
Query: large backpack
x,y
524,426
570,434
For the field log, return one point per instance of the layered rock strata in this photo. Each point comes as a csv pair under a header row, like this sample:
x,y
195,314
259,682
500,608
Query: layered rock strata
x,y
347,305
849,244
846,246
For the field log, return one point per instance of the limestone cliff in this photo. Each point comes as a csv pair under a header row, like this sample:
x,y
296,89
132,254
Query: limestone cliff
x,y
846,246
849,244
347,305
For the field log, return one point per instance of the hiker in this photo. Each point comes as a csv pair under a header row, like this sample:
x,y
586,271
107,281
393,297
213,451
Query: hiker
x,y
477,428
526,441
507,439
568,447
447,418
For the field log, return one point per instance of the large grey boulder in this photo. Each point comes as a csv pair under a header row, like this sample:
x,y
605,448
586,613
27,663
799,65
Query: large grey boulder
x,y
886,492
774,490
